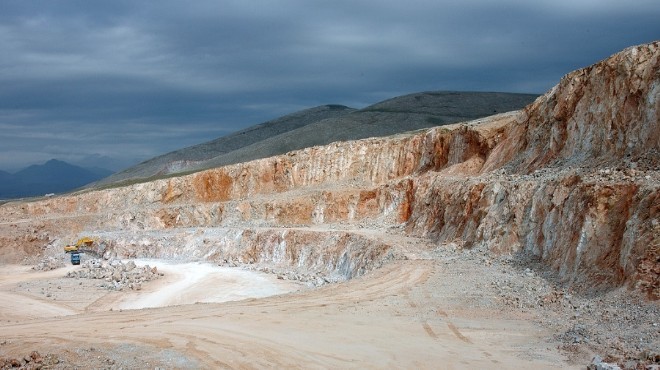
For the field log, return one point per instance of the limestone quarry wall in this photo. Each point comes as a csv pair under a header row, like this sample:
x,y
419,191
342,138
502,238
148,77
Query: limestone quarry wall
x,y
592,232
605,114
310,254
572,180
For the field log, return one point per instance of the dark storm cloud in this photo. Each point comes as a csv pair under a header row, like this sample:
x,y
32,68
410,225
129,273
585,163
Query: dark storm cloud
x,y
130,80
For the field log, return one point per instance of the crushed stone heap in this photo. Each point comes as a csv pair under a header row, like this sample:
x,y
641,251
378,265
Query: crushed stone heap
x,y
117,274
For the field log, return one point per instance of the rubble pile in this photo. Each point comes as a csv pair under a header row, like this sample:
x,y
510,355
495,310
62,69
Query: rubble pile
x,y
311,279
117,274
32,361
49,263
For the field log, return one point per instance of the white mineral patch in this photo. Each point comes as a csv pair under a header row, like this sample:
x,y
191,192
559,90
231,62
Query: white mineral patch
x,y
191,282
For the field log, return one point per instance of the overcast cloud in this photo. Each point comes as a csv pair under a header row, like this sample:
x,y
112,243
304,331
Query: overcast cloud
x,y
116,82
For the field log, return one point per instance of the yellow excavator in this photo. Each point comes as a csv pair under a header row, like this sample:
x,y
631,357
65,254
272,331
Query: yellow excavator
x,y
82,242
75,249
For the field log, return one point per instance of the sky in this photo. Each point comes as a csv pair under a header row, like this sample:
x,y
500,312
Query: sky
x,y
113,83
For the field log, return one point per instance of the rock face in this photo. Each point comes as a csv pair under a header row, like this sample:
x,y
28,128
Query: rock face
x,y
599,116
572,180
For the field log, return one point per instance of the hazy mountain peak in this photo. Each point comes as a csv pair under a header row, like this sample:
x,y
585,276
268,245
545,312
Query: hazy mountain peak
x,y
54,176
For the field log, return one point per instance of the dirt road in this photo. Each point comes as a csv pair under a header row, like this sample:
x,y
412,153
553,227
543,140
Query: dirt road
x,y
410,314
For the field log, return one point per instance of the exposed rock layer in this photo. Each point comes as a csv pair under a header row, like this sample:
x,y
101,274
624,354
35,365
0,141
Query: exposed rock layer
x,y
572,179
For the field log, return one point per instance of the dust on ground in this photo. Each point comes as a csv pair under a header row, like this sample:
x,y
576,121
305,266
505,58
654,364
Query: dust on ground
x,y
441,308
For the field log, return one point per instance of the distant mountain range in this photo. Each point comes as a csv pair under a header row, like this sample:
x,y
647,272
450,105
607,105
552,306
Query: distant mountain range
x,y
54,176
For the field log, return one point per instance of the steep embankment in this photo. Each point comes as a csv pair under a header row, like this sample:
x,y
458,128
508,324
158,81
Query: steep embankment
x,y
572,180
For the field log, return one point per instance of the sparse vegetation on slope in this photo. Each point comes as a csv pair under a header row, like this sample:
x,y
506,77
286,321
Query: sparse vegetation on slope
x,y
323,125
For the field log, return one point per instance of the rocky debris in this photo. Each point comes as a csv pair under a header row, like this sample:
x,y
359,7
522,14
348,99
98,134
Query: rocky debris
x,y
91,358
117,274
619,325
648,270
33,361
642,362
83,357
312,279
49,263
316,279
598,364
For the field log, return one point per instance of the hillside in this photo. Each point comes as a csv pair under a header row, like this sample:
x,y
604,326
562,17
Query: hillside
x,y
326,124
526,239
180,160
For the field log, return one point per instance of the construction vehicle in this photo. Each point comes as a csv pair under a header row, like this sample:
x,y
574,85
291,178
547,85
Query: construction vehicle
x,y
76,249
75,258
81,243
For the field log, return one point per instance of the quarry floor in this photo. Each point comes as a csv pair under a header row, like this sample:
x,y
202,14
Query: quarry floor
x,y
442,309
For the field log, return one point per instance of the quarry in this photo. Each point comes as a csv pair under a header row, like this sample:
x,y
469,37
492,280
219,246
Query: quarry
x,y
525,239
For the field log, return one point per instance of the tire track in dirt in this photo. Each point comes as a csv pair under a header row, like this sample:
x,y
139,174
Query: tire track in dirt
x,y
429,330
423,321
440,312
458,333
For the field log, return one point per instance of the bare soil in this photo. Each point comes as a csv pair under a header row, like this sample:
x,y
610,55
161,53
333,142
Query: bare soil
x,y
447,308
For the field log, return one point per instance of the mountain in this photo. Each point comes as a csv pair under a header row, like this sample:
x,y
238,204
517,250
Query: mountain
x,y
326,124
107,163
180,160
5,176
393,116
99,172
54,176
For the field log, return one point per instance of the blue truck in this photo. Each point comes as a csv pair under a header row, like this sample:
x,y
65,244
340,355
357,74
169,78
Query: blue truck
x,y
75,258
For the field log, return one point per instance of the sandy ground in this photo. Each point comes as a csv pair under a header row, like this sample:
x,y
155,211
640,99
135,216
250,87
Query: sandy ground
x,y
408,314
